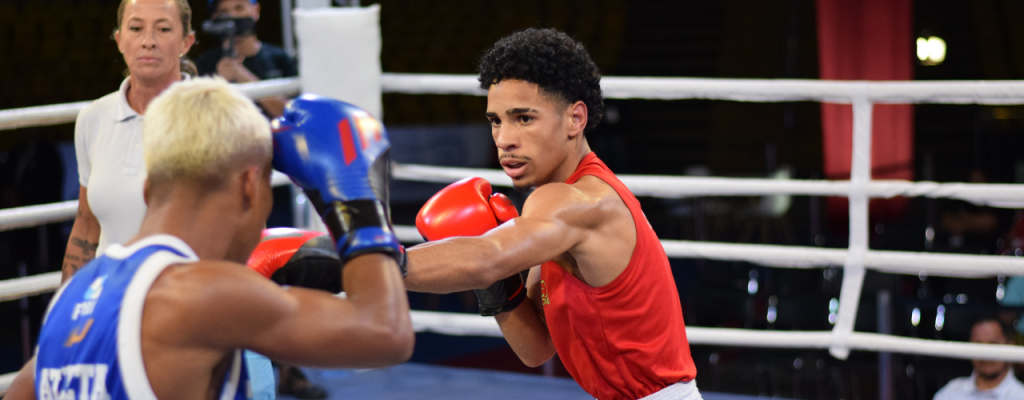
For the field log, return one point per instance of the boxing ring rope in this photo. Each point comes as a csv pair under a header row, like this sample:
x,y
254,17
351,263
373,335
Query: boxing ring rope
x,y
459,324
755,90
856,259
995,195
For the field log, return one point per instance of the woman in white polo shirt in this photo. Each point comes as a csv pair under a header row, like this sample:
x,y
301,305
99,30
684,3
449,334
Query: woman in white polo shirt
x,y
153,36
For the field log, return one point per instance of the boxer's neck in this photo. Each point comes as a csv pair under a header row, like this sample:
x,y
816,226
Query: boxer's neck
x,y
568,166
204,222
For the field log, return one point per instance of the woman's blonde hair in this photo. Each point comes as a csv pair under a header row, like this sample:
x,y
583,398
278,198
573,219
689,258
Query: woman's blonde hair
x,y
201,129
185,12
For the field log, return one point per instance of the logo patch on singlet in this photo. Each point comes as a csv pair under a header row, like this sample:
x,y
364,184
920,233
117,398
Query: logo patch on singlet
x,y
544,300
85,308
95,289
90,380
78,333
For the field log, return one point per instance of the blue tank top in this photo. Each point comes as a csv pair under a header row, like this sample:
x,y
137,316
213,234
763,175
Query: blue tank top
x,y
90,344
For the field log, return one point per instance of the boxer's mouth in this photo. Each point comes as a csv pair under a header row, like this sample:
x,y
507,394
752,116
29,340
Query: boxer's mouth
x,y
514,168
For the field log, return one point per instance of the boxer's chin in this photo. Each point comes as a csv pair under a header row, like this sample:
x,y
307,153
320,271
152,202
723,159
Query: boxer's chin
x,y
523,186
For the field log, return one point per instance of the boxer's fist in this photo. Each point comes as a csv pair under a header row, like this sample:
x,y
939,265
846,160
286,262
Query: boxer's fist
x,y
467,208
503,295
339,154
464,208
331,147
295,257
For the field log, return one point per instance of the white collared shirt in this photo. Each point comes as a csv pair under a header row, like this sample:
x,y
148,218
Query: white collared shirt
x,y
108,145
964,389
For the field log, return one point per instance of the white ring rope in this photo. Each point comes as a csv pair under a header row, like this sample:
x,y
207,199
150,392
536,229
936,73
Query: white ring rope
x,y
999,195
460,324
17,288
67,112
996,195
896,262
859,189
759,90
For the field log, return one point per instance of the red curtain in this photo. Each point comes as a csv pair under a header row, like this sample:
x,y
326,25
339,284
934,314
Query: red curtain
x,y
867,40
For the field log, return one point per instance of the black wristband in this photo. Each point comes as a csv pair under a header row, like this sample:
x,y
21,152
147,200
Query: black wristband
x,y
504,295
342,218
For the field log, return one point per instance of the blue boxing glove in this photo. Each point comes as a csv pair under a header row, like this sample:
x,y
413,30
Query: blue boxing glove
x,y
339,155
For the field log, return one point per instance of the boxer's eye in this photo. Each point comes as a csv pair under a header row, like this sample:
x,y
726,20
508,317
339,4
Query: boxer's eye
x,y
525,119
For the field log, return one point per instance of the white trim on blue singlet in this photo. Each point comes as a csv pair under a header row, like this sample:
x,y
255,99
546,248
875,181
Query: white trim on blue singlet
x,y
49,307
120,252
56,296
129,326
231,383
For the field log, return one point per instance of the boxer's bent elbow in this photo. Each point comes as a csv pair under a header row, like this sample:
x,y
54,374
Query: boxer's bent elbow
x,y
538,358
392,345
393,336
401,341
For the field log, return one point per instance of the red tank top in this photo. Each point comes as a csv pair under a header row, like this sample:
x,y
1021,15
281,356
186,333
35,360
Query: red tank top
x,y
624,340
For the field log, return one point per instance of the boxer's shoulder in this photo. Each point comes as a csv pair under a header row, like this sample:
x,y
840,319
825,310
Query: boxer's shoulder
x,y
588,201
193,301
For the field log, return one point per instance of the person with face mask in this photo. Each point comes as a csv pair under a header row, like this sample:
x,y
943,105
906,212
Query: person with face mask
x,y
992,380
253,60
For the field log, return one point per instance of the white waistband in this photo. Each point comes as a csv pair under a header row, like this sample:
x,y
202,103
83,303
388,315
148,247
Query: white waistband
x,y
677,391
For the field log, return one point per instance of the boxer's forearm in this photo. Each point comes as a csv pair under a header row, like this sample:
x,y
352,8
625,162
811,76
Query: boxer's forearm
x,y
374,284
463,263
453,265
526,334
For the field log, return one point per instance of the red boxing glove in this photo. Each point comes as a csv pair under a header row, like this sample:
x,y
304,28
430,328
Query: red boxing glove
x,y
296,257
467,208
464,208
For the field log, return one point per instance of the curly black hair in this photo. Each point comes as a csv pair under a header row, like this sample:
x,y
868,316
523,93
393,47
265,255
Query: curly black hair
x,y
556,62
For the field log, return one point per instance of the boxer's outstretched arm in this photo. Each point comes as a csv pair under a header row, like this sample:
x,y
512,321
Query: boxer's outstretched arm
x,y
236,308
524,327
556,217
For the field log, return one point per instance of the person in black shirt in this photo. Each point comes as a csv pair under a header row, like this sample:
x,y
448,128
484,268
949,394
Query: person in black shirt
x,y
254,61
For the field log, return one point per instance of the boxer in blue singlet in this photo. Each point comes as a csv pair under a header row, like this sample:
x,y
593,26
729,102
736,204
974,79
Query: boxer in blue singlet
x,y
166,314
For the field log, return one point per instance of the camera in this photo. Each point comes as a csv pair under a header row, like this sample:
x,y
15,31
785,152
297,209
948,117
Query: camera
x,y
226,29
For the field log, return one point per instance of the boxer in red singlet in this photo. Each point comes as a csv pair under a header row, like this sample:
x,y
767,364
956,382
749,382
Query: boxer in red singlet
x,y
600,290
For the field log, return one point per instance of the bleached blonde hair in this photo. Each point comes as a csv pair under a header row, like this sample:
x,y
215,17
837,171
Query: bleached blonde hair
x,y
201,129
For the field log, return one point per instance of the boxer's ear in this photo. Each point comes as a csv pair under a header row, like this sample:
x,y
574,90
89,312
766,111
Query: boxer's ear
x,y
251,189
577,119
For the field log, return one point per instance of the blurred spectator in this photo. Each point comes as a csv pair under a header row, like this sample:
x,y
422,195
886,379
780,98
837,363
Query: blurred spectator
x,y
253,61
991,379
